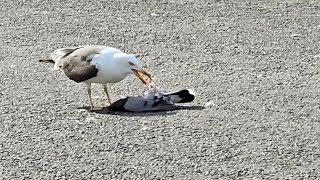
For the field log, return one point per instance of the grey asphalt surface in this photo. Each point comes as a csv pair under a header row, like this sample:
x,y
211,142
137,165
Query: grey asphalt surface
x,y
257,62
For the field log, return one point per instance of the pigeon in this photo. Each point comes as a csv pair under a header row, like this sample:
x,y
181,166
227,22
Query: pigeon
x,y
153,100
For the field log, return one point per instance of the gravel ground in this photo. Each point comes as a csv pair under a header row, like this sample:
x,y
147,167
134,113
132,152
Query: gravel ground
x,y
256,62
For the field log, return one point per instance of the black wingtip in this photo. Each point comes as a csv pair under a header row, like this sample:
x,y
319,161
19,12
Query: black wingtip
x,y
46,61
186,96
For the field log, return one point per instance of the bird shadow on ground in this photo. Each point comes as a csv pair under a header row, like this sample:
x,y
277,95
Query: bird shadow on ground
x,y
106,110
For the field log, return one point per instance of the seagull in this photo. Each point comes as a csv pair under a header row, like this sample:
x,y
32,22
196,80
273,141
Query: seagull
x,y
97,64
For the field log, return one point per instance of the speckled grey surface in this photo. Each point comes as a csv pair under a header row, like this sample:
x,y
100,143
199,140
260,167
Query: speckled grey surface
x,y
256,62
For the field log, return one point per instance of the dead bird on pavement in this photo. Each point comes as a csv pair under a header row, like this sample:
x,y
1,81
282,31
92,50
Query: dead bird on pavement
x,y
153,100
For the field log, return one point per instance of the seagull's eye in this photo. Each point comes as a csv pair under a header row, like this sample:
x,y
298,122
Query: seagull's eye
x,y
131,64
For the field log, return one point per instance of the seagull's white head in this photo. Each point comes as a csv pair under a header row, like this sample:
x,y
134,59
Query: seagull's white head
x,y
133,66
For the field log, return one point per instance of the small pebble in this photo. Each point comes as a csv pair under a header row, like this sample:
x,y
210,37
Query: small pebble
x,y
91,119
209,104
195,115
296,35
82,110
154,14
144,128
78,122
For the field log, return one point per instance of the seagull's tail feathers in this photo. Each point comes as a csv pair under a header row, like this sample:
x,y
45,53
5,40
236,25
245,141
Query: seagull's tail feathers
x,y
57,54
183,96
55,68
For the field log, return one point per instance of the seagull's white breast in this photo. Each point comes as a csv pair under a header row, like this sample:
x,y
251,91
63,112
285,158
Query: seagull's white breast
x,y
109,69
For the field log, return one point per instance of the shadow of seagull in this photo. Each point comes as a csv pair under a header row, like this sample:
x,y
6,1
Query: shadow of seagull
x,y
106,110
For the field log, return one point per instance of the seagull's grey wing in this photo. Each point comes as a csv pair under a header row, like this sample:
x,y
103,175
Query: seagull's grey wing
x,y
76,65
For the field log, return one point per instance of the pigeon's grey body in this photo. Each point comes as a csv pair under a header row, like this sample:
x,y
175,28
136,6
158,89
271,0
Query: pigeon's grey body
x,y
153,100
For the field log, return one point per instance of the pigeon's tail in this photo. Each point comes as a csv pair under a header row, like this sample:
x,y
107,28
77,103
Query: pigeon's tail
x,y
183,96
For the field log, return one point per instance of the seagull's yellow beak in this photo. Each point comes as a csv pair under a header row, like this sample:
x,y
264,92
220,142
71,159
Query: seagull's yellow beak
x,y
138,74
